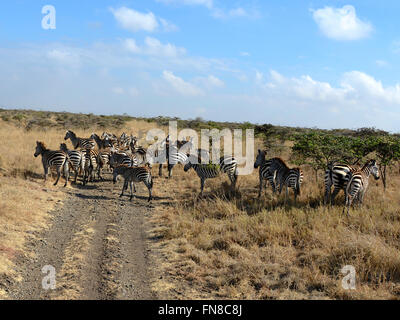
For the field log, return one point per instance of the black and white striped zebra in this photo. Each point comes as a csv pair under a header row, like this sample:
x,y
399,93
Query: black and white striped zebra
x,y
337,176
292,179
91,165
358,183
263,171
227,164
77,159
102,143
122,158
132,175
53,159
80,143
280,174
174,154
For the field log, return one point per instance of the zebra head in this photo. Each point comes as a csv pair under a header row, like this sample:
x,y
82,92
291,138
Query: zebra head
x,y
192,159
118,171
63,147
40,148
373,168
69,135
260,159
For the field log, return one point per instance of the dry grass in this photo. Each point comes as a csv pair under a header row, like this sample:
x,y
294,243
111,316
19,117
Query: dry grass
x,y
244,248
25,201
223,246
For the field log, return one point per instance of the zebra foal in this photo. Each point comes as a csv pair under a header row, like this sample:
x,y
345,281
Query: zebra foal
x,y
53,159
227,164
131,175
358,183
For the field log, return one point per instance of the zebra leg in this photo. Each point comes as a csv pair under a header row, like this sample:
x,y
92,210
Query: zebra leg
x,y
46,172
160,170
334,194
260,187
131,185
202,180
58,175
125,186
150,195
327,195
170,167
66,173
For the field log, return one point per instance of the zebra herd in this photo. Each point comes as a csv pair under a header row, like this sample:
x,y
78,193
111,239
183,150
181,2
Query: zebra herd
x,y
124,157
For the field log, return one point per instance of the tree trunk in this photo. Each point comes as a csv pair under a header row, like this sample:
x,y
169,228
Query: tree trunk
x,y
383,174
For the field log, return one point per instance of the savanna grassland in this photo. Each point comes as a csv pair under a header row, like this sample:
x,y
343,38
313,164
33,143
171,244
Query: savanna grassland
x,y
223,245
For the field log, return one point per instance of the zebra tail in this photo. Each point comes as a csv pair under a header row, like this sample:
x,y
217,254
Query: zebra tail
x,y
70,164
298,185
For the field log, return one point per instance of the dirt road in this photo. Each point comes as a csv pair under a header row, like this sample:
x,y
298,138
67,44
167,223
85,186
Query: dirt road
x,y
97,244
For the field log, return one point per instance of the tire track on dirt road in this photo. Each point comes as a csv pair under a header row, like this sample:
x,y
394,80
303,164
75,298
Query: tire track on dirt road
x,y
97,243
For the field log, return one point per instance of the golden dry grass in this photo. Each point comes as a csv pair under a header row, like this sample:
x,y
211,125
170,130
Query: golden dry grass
x,y
25,200
245,248
223,246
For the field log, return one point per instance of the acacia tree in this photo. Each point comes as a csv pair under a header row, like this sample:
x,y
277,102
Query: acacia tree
x,y
319,149
388,152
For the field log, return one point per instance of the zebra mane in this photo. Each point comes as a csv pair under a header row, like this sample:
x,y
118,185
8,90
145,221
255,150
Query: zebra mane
x,y
42,145
280,160
71,133
368,163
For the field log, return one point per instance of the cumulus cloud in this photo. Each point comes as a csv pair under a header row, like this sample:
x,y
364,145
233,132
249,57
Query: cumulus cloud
x,y
134,21
341,23
207,3
180,85
234,13
356,90
154,47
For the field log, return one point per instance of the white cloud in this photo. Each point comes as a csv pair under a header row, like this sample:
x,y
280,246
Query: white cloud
x,y
118,90
245,54
381,63
134,21
207,3
181,86
65,57
341,23
356,89
168,26
154,47
210,82
239,12
214,81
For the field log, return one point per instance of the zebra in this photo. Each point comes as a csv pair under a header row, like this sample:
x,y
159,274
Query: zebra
x,y
51,159
175,153
102,143
125,140
358,183
293,179
282,175
131,175
337,176
118,158
264,173
112,138
79,142
103,157
77,160
91,159
227,164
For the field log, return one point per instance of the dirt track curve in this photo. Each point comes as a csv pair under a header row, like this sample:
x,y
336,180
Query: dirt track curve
x,y
97,244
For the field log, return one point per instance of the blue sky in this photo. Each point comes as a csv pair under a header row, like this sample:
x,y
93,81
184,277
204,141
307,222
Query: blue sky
x,y
329,64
